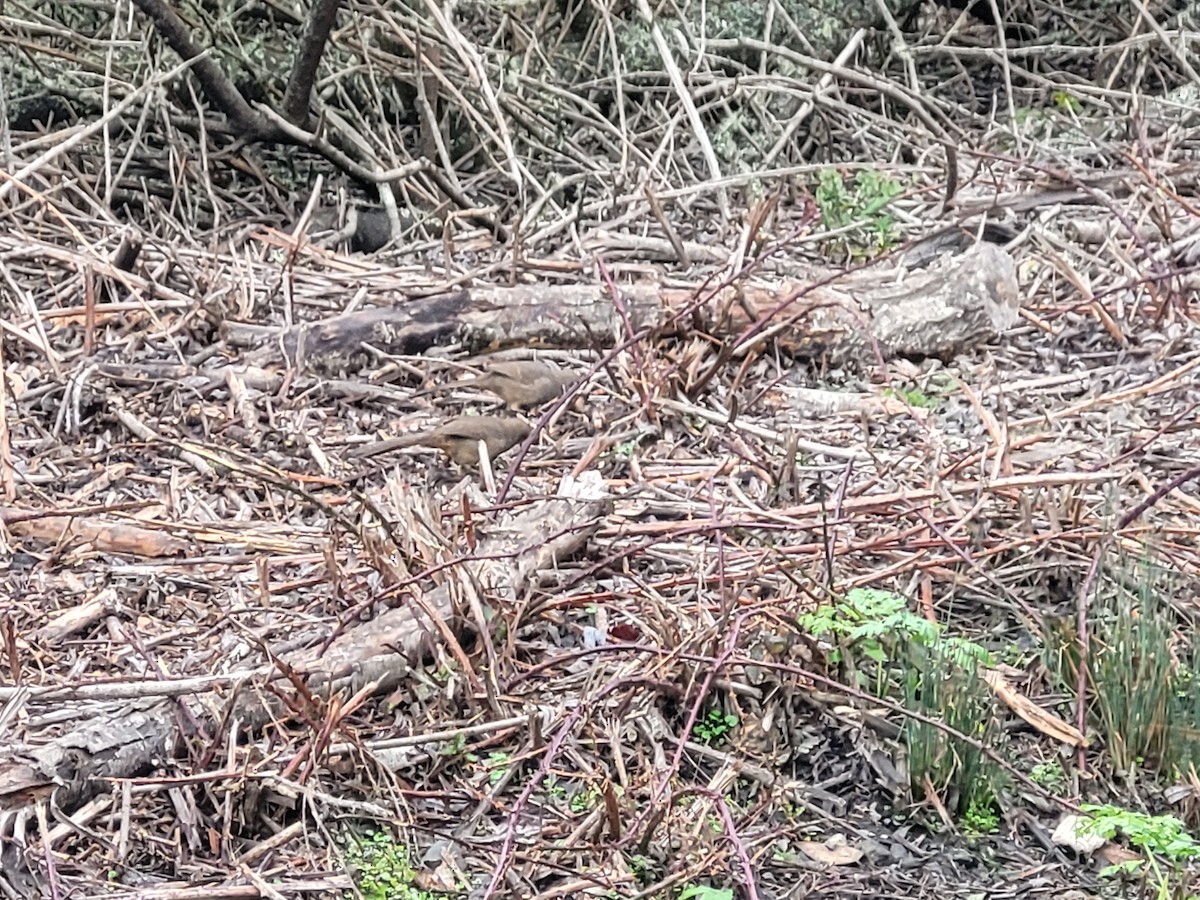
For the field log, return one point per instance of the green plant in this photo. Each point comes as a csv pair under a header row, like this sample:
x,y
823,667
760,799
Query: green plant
x,y
496,765
1184,715
1014,655
380,866
584,800
456,746
715,726
864,619
937,675
914,397
942,681
625,449
1155,836
641,867
980,818
704,892
861,211
877,625
1146,709
834,200
872,627
1049,775
1067,102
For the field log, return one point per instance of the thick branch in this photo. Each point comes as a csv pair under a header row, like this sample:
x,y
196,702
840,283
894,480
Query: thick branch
x,y
299,90
216,84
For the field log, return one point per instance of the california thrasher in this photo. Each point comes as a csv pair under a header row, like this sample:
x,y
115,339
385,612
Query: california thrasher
x,y
521,383
458,438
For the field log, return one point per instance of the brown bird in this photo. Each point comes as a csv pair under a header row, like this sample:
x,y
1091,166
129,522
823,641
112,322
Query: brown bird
x,y
520,384
458,438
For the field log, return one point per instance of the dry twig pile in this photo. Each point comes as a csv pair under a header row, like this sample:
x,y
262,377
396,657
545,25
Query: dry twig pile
x,y
231,642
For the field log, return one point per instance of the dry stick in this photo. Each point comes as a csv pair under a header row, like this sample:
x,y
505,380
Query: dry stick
x,y
298,135
711,672
41,340
634,339
8,486
217,85
518,806
1165,40
469,56
825,81
1144,445
635,348
433,145
79,135
830,683
656,209
1006,69
699,132
321,19
1092,188
105,176
47,847
899,46
140,430
1159,493
130,690
1129,395
886,88
962,553
765,433
6,154
619,90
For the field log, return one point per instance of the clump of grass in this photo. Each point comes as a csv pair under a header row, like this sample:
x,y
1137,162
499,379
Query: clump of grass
x,y
1141,665
942,681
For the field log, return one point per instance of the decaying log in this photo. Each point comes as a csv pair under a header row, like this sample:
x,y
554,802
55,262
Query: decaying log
x,y
505,566
956,303
124,739
108,741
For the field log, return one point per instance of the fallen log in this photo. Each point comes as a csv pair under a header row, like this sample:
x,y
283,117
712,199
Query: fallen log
x,y
956,303
117,738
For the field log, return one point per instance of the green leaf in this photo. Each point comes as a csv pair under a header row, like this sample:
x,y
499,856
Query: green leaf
x,y
875,652
704,892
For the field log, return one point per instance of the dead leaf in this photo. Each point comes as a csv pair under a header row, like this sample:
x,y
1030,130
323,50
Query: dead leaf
x,y
833,851
1047,723
1115,855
